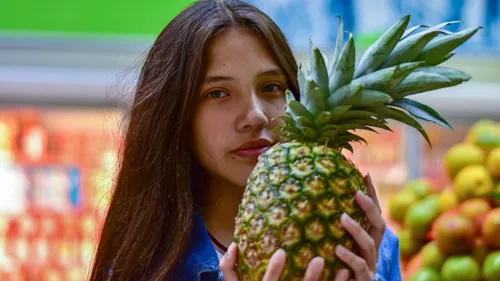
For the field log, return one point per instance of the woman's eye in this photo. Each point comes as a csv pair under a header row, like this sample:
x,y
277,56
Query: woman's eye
x,y
272,88
216,94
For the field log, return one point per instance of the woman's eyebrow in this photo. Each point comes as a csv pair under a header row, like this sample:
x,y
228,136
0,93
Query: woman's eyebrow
x,y
218,78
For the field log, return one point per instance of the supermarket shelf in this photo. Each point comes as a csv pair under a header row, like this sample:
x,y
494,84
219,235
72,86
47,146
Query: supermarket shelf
x,y
63,86
105,87
469,100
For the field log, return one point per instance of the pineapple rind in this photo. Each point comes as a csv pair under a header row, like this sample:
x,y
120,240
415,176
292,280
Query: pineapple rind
x,y
301,213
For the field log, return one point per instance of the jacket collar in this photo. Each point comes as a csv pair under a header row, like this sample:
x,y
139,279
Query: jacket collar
x,y
199,262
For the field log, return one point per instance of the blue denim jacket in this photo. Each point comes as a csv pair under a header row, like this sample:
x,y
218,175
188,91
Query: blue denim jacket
x,y
200,262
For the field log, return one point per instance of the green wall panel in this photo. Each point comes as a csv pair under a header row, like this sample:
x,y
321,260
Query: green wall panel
x,y
122,17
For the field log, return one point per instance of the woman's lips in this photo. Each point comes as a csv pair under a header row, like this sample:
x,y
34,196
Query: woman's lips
x,y
251,152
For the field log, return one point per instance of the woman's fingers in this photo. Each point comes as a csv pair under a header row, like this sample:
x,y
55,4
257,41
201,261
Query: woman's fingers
x,y
356,263
227,263
275,266
362,239
342,275
314,269
377,222
371,191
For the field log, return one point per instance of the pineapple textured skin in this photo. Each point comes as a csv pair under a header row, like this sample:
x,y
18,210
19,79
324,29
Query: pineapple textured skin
x,y
293,200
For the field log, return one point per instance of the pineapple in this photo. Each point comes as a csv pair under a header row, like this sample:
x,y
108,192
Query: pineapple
x,y
299,188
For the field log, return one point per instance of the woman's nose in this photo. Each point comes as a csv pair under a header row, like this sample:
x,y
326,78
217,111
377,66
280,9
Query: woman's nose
x,y
253,117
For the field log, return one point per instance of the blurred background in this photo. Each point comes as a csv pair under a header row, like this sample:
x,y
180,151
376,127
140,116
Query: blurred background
x,y
67,69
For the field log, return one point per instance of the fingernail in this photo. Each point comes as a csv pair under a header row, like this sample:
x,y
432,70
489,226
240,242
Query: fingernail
x,y
345,218
280,251
362,194
343,274
321,260
340,250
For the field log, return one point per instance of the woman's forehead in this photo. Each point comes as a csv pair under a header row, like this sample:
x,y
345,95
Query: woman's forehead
x,y
239,46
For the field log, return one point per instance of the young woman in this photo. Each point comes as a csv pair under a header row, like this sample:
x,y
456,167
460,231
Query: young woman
x,y
209,88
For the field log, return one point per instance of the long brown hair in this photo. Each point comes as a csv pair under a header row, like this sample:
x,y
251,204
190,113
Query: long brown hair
x,y
155,193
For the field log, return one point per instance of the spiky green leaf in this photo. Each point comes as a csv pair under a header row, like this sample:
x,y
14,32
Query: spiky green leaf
x,y
372,97
358,114
304,121
345,95
330,134
338,112
286,118
439,61
314,101
455,76
309,133
386,79
297,137
299,109
429,78
328,127
422,111
343,70
412,29
319,72
278,129
338,45
377,53
419,82
350,137
292,128
409,48
322,118
366,128
303,87
398,115
370,122
347,146
289,96
440,47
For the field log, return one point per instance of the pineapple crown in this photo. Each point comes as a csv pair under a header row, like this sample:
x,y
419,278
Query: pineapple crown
x,y
342,96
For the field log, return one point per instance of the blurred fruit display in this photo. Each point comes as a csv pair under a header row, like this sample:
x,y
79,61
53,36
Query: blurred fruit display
x,y
54,186
449,229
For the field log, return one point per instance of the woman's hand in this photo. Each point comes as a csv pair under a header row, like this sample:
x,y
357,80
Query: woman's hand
x,y
275,266
365,265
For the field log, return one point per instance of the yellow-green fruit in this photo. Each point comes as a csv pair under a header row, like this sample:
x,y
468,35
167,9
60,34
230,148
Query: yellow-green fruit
x,y
478,128
454,234
473,209
491,267
472,181
408,246
420,216
485,134
293,200
399,204
461,268
493,163
432,256
426,274
447,200
490,229
462,155
420,187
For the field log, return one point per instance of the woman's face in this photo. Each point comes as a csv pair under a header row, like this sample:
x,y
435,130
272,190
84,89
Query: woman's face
x,y
243,90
